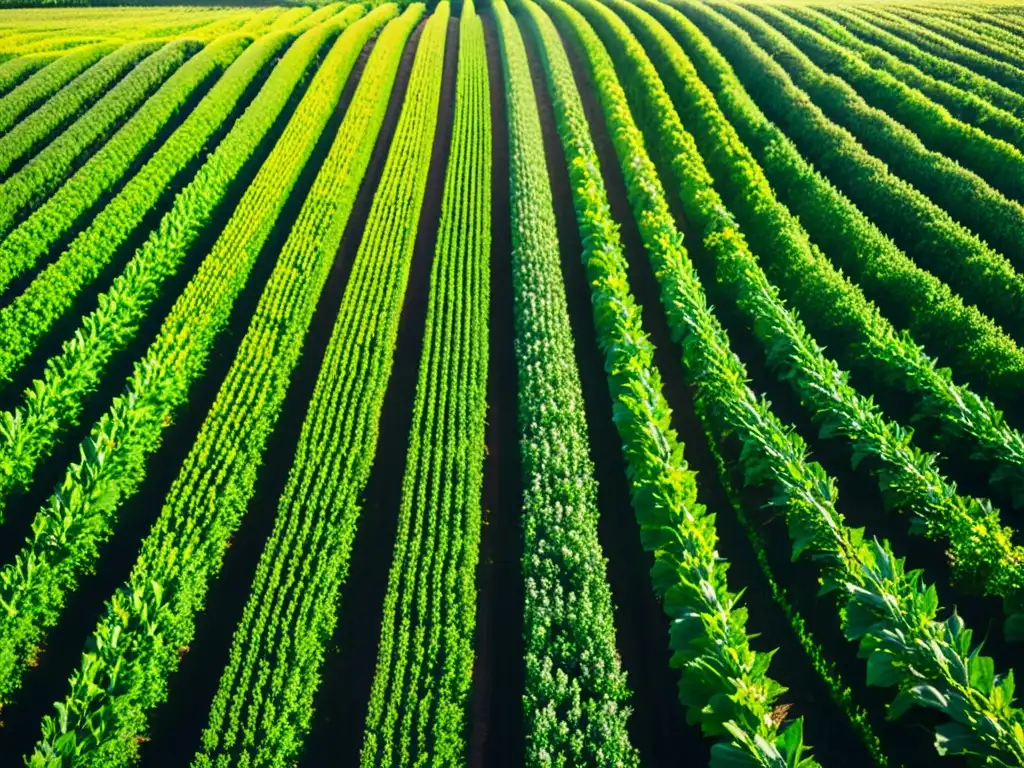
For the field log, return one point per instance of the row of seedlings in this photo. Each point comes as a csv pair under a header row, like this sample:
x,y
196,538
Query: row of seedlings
x,y
963,104
931,64
942,46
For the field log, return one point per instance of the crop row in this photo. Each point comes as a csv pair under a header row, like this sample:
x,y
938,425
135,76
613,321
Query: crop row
x,y
942,46
264,703
33,313
980,547
29,80
826,298
51,79
16,71
53,403
708,633
149,620
891,612
998,163
416,712
575,713
964,104
81,514
31,133
928,62
927,232
651,104
968,33
59,41
931,182
32,240
48,168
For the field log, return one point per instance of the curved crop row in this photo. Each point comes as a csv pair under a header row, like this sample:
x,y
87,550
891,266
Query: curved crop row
x,y
928,62
1004,21
573,714
68,530
22,247
966,33
47,169
891,612
912,298
927,232
31,133
941,46
58,42
264,703
641,86
16,71
53,292
708,634
51,79
878,141
980,29
136,645
967,105
997,162
983,554
416,713
53,403
825,296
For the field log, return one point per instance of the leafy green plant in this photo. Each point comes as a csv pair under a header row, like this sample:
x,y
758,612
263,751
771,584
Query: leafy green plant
x,y
48,168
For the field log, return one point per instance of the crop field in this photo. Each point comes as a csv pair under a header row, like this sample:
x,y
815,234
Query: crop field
x,y
555,383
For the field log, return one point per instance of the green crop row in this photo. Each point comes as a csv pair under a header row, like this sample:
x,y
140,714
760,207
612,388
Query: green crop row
x,y
574,714
417,708
927,232
929,62
964,104
53,403
997,162
708,634
264,703
136,645
68,530
981,548
877,149
16,71
941,46
48,168
27,432
51,79
891,612
965,31
826,298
